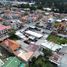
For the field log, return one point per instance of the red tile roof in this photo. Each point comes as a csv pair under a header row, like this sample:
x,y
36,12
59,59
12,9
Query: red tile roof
x,y
11,44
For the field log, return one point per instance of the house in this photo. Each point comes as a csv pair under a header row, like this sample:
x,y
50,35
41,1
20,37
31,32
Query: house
x,y
10,45
47,9
27,51
51,20
56,58
1,19
23,53
24,19
51,46
38,35
15,24
4,30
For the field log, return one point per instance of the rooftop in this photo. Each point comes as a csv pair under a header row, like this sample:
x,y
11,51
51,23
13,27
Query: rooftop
x,y
2,27
11,44
56,58
27,50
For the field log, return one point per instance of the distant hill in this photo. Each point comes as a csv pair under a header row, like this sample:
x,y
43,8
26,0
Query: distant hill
x,y
37,0
43,0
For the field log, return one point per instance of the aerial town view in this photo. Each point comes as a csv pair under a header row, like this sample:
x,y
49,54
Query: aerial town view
x,y
33,33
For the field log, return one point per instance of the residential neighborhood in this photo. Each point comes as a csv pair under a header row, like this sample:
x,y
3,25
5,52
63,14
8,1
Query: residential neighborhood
x,y
32,38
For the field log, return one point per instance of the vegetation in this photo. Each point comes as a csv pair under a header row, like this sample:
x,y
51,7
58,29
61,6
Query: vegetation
x,y
32,7
60,28
59,5
25,5
14,37
5,54
57,39
47,53
56,5
42,61
56,24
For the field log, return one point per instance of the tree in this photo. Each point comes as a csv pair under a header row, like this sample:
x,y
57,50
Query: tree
x,y
39,6
32,7
47,52
60,5
33,60
25,5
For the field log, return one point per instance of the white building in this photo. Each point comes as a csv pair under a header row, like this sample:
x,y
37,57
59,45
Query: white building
x,y
51,45
38,35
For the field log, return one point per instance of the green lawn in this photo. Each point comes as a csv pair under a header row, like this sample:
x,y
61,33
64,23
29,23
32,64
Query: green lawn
x,y
56,39
12,62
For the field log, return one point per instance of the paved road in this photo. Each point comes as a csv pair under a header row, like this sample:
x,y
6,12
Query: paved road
x,y
64,61
64,50
64,58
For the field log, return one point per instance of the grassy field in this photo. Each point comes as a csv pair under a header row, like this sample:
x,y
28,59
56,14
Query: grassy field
x,y
56,39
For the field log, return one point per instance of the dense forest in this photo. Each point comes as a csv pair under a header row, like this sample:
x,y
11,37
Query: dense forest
x,y
59,5
56,5
43,0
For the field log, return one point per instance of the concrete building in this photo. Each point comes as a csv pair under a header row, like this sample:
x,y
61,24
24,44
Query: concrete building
x,y
4,30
